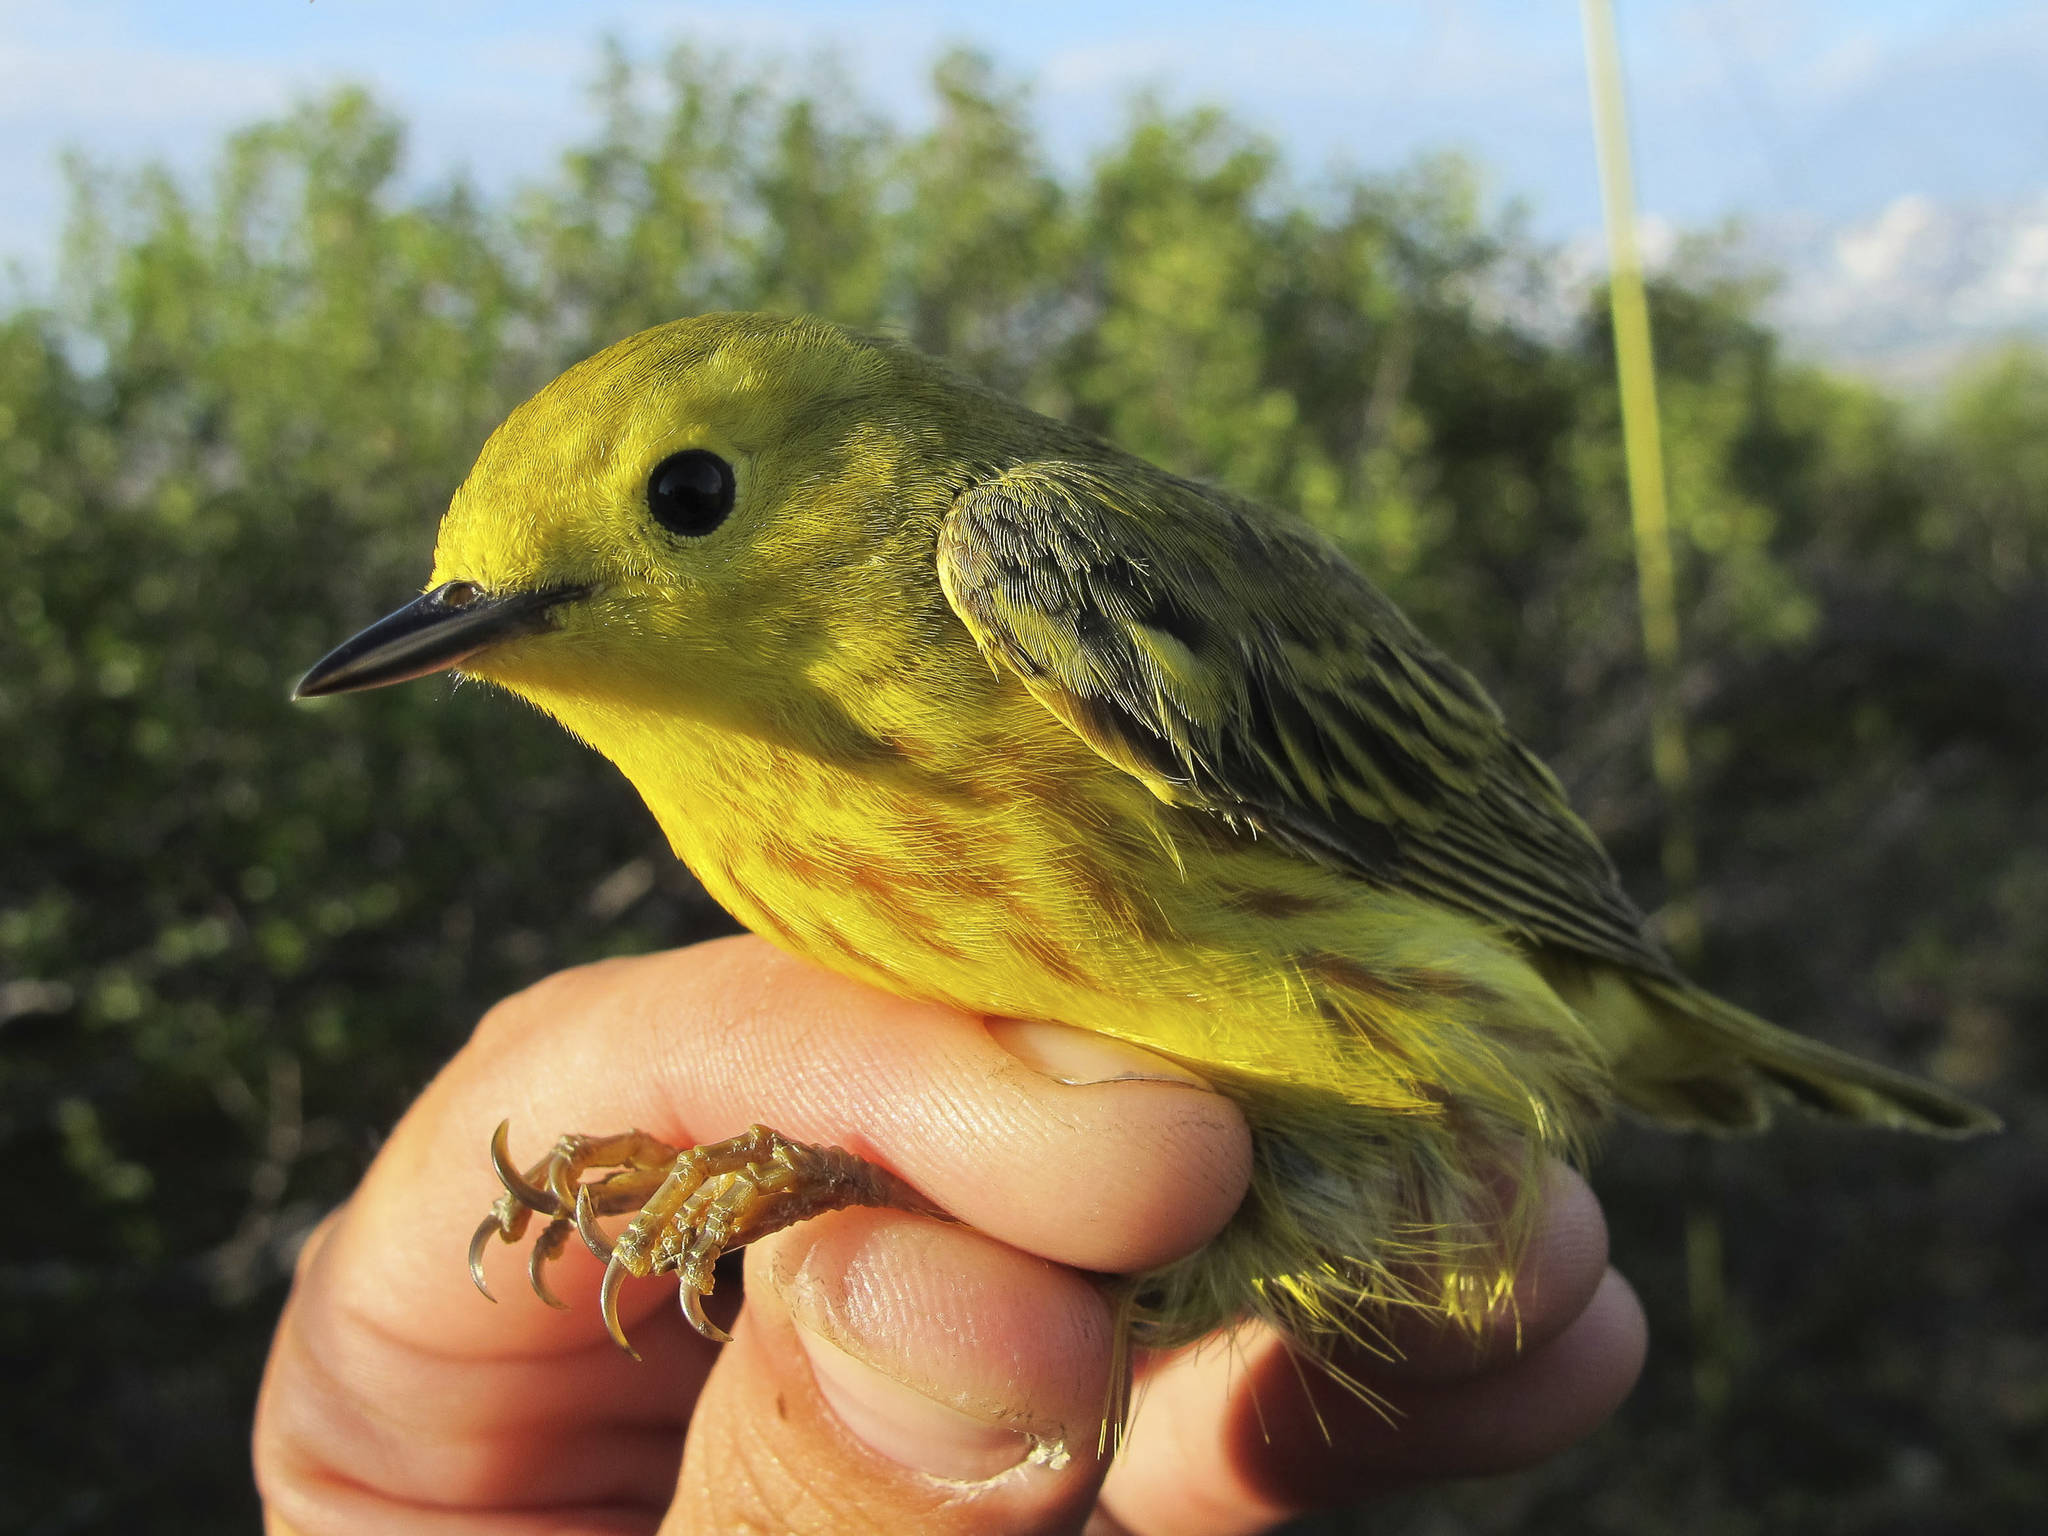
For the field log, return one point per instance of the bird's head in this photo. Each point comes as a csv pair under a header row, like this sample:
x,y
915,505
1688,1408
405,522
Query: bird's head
x,y
697,519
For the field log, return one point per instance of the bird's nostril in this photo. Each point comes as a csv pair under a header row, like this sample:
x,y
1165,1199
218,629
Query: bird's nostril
x,y
457,594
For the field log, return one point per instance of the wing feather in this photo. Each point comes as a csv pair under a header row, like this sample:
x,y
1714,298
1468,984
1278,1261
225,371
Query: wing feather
x,y
1240,665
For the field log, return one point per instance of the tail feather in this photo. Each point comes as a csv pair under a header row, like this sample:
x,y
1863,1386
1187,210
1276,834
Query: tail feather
x,y
1743,1063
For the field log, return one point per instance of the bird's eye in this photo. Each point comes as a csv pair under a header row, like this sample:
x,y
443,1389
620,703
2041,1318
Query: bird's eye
x,y
690,492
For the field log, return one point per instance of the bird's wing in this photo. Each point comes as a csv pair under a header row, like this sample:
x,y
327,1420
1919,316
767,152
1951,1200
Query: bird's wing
x,y
1244,667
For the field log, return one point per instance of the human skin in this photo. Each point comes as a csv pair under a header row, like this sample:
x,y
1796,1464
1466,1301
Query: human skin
x,y
888,1371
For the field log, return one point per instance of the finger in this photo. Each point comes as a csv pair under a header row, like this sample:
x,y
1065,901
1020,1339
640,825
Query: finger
x,y
1096,1167
1256,1441
390,1372
697,1044
1565,1263
895,1373
363,1427
1237,1436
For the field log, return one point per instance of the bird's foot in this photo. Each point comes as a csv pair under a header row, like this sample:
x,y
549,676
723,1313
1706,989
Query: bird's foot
x,y
692,1204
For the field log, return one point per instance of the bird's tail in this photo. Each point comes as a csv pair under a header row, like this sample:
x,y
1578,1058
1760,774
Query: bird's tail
x,y
1713,1066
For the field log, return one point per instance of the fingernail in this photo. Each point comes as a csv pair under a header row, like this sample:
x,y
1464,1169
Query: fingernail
x,y
898,1377
1080,1056
907,1426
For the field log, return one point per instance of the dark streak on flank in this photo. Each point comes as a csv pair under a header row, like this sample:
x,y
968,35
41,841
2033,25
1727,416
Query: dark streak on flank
x,y
1272,902
828,933
756,915
962,881
797,863
1457,989
1129,905
1403,988
1055,961
941,842
887,896
1350,1019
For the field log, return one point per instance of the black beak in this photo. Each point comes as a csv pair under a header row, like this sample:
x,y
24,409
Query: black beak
x,y
431,634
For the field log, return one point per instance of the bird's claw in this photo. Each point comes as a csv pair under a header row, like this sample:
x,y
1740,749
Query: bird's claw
x,y
608,1305
487,1229
588,1229
520,1186
691,1206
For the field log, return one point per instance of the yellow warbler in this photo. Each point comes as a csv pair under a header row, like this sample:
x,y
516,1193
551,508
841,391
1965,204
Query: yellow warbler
x,y
975,707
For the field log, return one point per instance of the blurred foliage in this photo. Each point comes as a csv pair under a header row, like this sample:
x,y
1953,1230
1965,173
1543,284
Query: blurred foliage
x,y
236,936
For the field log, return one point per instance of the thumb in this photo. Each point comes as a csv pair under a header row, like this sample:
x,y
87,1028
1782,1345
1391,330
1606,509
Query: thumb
x,y
892,1372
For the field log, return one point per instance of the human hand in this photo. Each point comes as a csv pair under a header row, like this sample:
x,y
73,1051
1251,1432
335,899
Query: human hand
x,y
889,1371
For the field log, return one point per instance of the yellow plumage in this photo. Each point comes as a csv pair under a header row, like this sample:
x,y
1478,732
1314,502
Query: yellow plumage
x,y
978,709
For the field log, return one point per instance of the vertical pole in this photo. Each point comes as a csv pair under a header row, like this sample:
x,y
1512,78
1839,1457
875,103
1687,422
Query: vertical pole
x,y
1657,596
1643,450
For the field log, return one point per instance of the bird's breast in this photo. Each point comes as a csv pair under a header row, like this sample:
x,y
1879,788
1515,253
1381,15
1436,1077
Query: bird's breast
x,y
1022,876
1009,871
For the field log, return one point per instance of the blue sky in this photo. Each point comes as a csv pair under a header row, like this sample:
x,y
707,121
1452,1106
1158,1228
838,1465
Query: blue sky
x,y
1832,109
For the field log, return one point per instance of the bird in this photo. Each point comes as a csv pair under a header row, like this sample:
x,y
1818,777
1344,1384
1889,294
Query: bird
x,y
975,707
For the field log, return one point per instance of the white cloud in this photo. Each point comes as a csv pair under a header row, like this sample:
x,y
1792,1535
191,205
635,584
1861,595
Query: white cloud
x,y
1907,292
1878,253
2012,288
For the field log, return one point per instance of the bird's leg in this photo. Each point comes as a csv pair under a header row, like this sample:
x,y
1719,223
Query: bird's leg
x,y
693,1204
